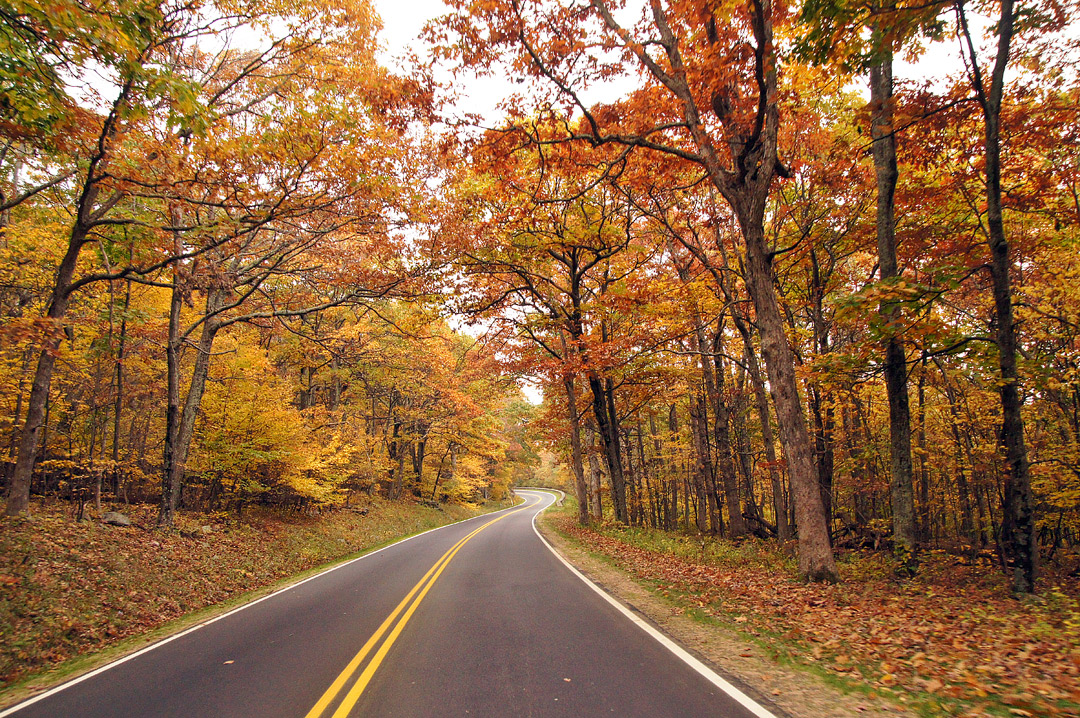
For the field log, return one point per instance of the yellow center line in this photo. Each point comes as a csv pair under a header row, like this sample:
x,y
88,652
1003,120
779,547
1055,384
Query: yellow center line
x,y
422,587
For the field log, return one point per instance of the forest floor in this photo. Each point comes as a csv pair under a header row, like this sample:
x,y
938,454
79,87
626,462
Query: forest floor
x,y
950,641
74,595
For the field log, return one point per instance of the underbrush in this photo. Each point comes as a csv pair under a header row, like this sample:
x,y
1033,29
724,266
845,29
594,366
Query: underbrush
x,y
703,549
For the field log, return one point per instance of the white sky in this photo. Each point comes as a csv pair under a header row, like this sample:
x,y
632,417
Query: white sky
x,y
403,21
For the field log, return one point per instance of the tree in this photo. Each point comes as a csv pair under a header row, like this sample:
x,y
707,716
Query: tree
x,y
865,38
239,150
546,260
701,65
133,51
1018,538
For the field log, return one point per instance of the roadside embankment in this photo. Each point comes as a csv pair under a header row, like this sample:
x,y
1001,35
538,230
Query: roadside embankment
x,y
73,594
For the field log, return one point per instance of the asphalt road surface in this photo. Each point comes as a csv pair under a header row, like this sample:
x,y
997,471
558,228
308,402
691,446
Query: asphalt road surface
x,y
479,618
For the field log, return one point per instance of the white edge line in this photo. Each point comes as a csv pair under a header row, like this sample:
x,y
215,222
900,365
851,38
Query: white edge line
x,y
168,639
709,674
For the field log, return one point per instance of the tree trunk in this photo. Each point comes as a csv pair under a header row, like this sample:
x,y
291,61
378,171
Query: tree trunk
x,y
646,479
761,403
609,434
335,384
172,411
722,434
575,450
962,451
743,450
596,507
119,401
815,553
184,425
632,474
924,469
884,150
823,449
19,490
418,461
702,464
711,373
673,430
1018,537
820,405
399,474
662,477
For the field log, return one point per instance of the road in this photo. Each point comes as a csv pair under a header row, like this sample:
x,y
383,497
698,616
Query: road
x,y
479,618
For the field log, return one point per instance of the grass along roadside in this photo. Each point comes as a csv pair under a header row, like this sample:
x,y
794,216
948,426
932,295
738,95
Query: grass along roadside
x,y
74,596
949,642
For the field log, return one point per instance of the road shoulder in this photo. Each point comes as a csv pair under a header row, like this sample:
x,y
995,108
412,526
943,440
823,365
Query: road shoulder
x,y
797,693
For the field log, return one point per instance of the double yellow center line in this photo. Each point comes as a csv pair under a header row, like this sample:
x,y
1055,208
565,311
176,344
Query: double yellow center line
x,y
408,605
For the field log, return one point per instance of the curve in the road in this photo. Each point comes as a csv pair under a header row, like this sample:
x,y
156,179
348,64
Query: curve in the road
x,y
506,631
419,591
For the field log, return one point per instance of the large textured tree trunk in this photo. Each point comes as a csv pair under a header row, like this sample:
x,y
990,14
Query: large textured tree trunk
x,y
884,150
815,552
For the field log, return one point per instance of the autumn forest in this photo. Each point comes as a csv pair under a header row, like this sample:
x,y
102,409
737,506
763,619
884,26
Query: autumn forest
x,y
779,272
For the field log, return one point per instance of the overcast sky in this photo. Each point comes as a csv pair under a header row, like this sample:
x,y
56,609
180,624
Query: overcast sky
x,y
403,21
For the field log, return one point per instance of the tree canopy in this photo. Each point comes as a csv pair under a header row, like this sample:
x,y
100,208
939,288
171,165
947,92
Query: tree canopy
x,y
783,285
